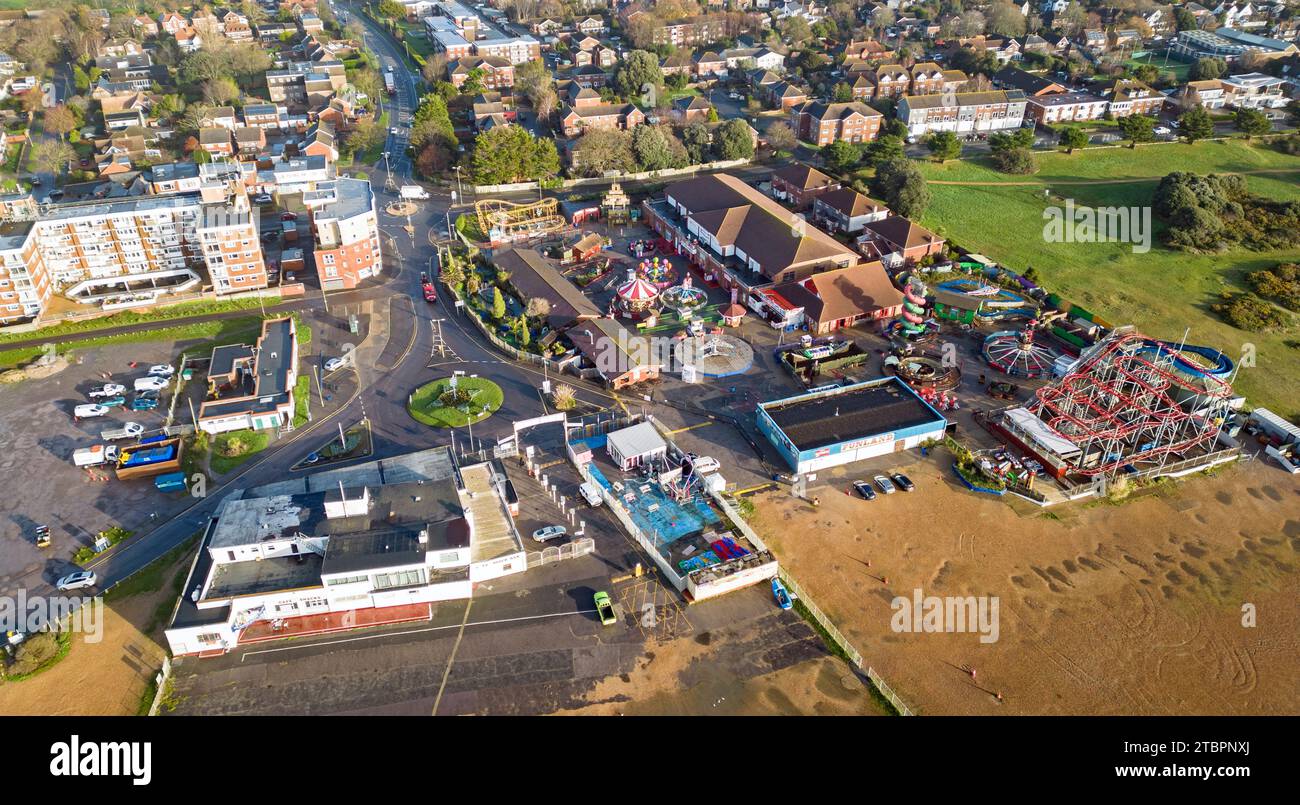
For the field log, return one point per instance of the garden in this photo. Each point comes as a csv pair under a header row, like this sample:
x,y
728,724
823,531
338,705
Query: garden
x,y
454,402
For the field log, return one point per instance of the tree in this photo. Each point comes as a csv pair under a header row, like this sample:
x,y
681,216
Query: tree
x,y
1073,137
781,137
1207,68
51,156
1005,19
842,93
600,151
508,154
1137,128
563,397
220,91
972,23
538,308
653,148
902,187
1014,160
60,120
639,76
733,139
841,156
391,9
882,149
498,304
1253,123
366,81
365,136
697,138
473,83
944,145
1195,124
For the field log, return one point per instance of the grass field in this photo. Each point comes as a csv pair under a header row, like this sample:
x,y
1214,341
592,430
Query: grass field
x,y
424,406
229,450
1178,69
1163,292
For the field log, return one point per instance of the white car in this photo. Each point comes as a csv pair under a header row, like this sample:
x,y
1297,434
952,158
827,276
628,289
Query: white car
x,y
549,533
590,493
1163,131
262,199
335,364
151,383
705,464
106,390
885,485
89,410
393,131
162,370
75,581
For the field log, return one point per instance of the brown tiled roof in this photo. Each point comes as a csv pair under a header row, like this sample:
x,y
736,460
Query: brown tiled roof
x,y
850,202
803,177
843,293
903,232
534,277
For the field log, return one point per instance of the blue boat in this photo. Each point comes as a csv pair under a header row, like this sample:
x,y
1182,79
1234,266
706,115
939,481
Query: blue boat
x,y
779,593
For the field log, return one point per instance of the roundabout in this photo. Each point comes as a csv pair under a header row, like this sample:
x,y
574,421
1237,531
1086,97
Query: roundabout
x,y
401,209
454,402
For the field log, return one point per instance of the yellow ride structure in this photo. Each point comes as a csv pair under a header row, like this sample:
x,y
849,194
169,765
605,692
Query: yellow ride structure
x,y
505,221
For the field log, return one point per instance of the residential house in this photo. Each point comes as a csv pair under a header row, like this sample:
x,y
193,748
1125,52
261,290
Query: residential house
x,y
691,109
823,123
1255,91
962,112
799,185
898,241
216,140
1132,97
846,210
1064,107
1208,93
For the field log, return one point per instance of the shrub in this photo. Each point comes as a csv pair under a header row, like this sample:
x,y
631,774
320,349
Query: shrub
x,y
34,652
1250,313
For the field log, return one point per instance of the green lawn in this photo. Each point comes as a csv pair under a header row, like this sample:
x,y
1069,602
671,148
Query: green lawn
x,y
1163,292
1178,69
301,400
229,450
424,405
178,311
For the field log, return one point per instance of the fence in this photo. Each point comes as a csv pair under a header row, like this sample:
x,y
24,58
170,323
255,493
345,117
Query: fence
x,y
164,676
558,553
837,637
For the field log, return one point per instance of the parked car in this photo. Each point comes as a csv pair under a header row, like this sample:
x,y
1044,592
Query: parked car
x,y
75,581
334,364
89,410
113,402
605,609
143,403
106,390
263,199
705,464
884,484
151,383
1162,131
161,370
903,482
549,533
864,489
288,216
590,493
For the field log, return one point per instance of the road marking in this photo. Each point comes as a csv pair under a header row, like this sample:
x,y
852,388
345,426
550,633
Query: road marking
x,y
422,630
451,660
691,427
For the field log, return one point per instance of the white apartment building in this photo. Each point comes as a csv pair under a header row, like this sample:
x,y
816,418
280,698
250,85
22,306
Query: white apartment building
x,y
1254,91
963,112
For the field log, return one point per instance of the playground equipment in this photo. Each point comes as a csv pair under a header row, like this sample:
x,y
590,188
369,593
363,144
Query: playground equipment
x,y
636,295
921,372
1132,404
996,302
938,399
713,355
505,221
1015,353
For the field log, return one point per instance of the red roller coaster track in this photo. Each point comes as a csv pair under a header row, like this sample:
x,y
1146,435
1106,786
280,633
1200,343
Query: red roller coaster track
x,y
1126,407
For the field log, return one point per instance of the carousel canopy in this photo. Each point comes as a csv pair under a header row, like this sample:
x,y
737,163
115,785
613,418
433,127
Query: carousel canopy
x,y
637,290
733,311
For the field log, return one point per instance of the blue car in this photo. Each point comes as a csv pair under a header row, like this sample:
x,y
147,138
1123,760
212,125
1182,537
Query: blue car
x,y
144,403
113,402
781,595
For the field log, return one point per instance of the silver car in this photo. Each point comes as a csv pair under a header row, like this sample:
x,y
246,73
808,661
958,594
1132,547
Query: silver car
x,y
75,581
549,533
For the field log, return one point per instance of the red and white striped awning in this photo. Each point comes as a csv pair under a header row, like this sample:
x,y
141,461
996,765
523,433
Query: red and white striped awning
x,y
638,290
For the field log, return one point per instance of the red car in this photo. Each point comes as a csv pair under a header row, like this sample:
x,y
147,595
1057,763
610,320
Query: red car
x,y
430,295
288,216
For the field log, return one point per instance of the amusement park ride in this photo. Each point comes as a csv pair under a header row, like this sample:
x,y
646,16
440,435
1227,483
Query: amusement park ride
x,y
505,221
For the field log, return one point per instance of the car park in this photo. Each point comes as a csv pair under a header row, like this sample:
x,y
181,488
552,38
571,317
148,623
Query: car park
x,y
75,581
549,533
864,489
903,482
884,484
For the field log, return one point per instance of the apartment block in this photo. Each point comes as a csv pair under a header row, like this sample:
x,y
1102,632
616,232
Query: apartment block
x,y
347,232
824,123
962,112
1064,107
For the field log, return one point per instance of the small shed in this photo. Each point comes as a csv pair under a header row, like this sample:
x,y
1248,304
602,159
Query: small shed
x,y
586,248
634,446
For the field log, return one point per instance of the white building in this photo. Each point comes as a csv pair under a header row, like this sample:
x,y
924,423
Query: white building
x,y
374,543
963,112
1254,91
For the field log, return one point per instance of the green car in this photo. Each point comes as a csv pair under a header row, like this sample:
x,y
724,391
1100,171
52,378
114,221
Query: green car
x,y
605,609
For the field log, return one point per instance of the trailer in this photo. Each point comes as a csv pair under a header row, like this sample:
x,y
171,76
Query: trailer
x,y
171,482
390,86
148,460
95,455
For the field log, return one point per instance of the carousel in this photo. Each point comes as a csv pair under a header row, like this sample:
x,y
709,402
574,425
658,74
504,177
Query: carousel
x,y
636,297
658,272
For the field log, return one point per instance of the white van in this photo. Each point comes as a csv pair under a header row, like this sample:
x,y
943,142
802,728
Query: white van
x,y
705,464
590,493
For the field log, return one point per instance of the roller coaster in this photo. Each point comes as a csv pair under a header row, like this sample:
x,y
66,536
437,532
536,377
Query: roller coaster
x,y
505,221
